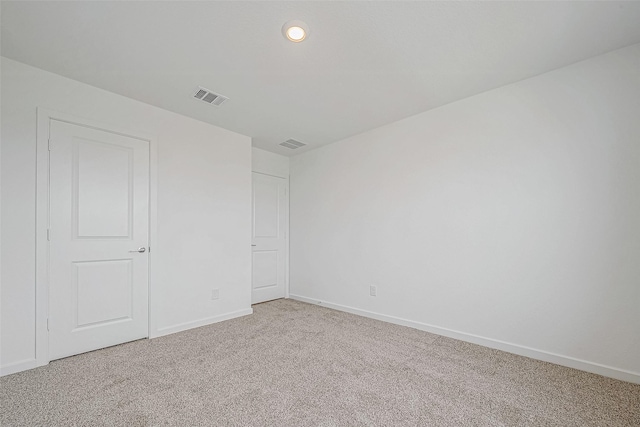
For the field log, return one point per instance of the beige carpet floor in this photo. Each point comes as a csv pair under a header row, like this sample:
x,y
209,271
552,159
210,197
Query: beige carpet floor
x,y
295,364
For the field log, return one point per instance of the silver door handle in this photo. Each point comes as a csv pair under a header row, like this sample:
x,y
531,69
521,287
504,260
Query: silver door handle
x,y
139,250
254,245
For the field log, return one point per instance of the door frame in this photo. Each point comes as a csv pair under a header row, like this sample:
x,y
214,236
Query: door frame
x,y
43,119
286,235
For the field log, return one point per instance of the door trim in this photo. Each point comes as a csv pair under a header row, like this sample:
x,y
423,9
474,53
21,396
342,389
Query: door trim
x,y
43,119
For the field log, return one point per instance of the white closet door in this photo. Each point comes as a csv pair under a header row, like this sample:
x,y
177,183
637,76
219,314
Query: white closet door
x,y
270,223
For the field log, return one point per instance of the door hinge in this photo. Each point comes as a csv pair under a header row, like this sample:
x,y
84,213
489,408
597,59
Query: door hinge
x,y
47,324
48,234
49,144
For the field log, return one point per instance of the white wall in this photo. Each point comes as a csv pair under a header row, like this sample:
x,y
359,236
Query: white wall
x,y
203,216
269,163
511,218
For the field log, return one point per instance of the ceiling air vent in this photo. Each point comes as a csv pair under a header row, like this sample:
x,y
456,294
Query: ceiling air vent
x,y
292,143
209,97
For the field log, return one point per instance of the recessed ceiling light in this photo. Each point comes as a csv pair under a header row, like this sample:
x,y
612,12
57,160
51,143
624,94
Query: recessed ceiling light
x,y
295,31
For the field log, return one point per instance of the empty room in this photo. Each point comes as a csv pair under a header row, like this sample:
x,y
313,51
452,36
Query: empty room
x,y
320,213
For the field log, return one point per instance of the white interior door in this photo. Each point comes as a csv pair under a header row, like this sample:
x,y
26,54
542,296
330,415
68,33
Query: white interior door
x,y
270,225
99,232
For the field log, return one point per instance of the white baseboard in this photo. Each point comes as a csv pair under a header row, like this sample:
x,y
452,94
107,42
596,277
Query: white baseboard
x,y
21,365
202,322
583,365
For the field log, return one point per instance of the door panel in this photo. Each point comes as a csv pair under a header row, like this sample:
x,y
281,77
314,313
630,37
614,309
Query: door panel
x,y
99,213
265,269
103,179
102,291
270,224
266,204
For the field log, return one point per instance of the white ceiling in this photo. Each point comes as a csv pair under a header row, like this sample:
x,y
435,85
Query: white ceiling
x,y
364,64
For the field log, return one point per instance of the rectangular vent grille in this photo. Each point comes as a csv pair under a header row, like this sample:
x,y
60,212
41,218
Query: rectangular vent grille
x,y
209,97
292,144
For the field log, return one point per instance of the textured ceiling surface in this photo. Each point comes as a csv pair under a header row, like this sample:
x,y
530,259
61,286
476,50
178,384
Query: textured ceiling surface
x,y
364,64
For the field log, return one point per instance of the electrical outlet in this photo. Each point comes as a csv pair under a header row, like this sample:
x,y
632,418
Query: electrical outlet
x,y
215,294
373,291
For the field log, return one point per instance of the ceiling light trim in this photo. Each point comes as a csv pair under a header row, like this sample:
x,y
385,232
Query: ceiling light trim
x,y
295,31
